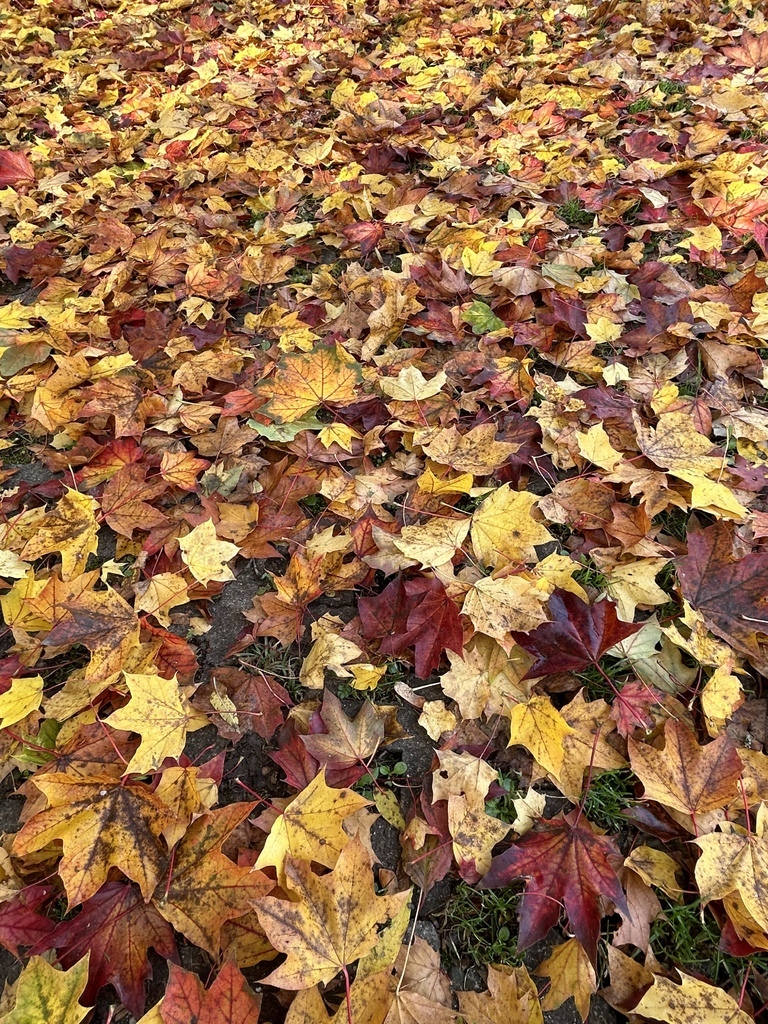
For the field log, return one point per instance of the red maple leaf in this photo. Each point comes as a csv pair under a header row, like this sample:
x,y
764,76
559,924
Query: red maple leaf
x,y
14,168
578,635
367,234
229,998
20,923
631,708
730,593
416,613
118,927
567,865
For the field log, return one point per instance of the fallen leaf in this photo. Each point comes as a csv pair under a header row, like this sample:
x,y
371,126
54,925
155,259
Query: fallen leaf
x,y
568,865
333,922
571,974
45,994
158,712
206,555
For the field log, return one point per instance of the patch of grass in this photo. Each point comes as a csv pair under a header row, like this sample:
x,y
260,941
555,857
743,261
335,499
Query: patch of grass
x,y
503,807
21,453
688,936
673,521
269,656
574,214
640,106
598,680
300,275
670,88
591,576
609,794
481,925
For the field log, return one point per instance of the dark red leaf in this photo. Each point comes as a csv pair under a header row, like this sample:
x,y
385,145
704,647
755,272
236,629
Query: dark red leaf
x,y
21,925
578,635
566,866
730,592
118,928
419,614
631,708
367,234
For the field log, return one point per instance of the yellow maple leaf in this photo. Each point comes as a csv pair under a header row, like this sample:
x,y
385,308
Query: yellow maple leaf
x,y
160,714
595,446
571,974
410,385
22,697
206,555
310,827
496,607
158,595
634,584
45,994
433,543
70,529
305,380
539,727
503,529
333,922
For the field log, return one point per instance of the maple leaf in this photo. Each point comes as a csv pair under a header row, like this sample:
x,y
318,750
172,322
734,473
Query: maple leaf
x,y
204,888
185,1000
511,999
567,865
127,501
728,591
734,863
306,380
503,529
45,994
102,621
344,743
206,555
310,826
367,234
684,776
159,595
101,823
15,168
70,530
433,543
334,922
571,974
20,924
370,999
498,607
578,635
416,613
158,713
255,702
540,728
118,927
21,698
690,1000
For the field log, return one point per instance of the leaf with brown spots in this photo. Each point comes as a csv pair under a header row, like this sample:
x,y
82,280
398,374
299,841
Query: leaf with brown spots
x,y
310,827
101,824
334,922
691,1000
684,776
203,888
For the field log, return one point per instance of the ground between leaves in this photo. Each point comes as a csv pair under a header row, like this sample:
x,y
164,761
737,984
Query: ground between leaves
x,y
383,544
